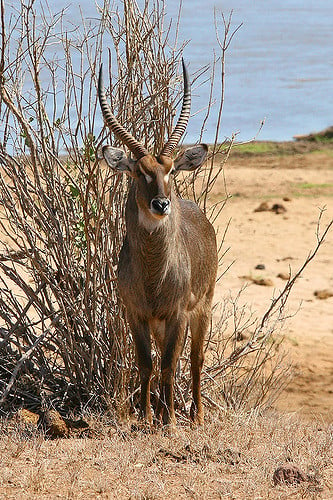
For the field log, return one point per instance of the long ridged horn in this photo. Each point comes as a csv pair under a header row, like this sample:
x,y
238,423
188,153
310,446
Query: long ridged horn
x,y
111,121
183,117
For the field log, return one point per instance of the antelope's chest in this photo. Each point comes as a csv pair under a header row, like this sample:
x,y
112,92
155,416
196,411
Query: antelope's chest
x,y
153,287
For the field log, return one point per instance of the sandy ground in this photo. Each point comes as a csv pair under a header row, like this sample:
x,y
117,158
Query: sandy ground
x,y
303,183
281,242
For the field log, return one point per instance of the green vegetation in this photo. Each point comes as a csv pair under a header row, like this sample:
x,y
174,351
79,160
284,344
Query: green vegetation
x,y
304,189
310,185
255,148
322,138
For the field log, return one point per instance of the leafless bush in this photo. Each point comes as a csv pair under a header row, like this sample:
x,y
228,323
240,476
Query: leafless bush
x,y
64,339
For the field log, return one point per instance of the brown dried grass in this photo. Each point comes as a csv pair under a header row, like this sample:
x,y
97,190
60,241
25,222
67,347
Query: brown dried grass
x,y
233,456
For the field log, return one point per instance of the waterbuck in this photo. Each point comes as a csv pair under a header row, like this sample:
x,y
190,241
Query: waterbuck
x,y
168,263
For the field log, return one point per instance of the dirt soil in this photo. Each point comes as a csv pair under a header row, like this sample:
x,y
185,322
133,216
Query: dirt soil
x,y
303,183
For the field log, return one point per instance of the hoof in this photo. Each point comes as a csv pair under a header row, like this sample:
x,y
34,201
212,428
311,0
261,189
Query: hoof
x,y
197,415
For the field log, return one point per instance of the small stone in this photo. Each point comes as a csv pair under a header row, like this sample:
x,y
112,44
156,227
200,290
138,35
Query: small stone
x,y
26,417
289,475
284,276
263,281
53,424
263,207
260,266
285,258
286,198
323,294
277,208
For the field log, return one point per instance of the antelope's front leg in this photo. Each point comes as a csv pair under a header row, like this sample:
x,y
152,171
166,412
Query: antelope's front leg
x,y
141,335
173,344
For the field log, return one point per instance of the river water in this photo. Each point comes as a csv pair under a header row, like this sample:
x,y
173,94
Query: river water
x,y
279,65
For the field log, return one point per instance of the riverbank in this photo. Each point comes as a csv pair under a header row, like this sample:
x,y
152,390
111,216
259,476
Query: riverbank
x,y
299,177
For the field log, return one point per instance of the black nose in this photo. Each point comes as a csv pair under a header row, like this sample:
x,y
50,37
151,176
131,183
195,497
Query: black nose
x,y
161,205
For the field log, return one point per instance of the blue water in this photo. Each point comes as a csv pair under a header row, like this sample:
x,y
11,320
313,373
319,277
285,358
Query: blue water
x,y
279,65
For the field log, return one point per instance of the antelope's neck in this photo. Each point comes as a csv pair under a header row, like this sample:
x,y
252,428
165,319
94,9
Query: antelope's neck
x,y
149,237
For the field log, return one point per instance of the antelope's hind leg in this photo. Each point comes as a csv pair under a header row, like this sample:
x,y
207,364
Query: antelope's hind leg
x,y
199,324
141,335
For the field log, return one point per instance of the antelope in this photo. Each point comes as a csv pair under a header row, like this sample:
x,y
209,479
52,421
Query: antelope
x,y
168,262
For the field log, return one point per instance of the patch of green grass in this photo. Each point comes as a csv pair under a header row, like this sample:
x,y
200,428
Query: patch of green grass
x,y
258,148
311,185
326,151
311,195
324,139
255,148
311,189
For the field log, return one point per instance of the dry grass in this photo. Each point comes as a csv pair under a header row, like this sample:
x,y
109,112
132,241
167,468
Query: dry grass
x,y
233,456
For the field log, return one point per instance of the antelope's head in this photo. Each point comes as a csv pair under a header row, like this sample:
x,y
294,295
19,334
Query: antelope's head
x,y
152,174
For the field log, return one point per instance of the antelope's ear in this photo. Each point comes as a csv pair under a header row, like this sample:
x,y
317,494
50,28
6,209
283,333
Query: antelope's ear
x,y
117,160
191,158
